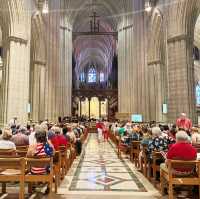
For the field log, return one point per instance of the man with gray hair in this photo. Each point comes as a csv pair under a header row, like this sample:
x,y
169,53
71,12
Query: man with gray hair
x,y
182,150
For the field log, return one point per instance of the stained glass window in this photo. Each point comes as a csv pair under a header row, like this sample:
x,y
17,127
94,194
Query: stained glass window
x,y
198,94
101,77
92,75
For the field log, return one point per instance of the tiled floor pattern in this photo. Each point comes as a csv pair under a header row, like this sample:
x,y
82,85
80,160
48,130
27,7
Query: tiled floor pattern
x,y
100,171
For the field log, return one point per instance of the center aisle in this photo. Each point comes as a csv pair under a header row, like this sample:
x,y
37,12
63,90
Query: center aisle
x,y
100,172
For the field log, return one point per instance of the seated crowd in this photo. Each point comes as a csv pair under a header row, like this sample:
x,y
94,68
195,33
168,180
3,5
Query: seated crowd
x,y
43,140
179,141
14,136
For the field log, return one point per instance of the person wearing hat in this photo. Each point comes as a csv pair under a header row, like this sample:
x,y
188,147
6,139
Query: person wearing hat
x,y
5,142
183,122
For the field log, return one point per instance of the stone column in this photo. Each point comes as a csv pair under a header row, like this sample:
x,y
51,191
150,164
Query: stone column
x,y
140,72
15,82
126,76
181,77
38,91
180,39
53,87
65,53
132,62
66,70
155,91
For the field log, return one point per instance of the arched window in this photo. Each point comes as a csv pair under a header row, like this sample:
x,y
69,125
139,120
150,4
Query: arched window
x,y
82,77
102,77
92,75
198,94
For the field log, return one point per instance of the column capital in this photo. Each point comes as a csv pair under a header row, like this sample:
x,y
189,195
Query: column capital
x,y
17,40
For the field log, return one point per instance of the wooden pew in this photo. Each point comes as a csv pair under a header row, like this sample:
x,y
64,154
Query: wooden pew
x,y
22,151
22,148
64,162
155,166
7,152
134,153
45,178
144,161
16,164
172,179
57,168
73,151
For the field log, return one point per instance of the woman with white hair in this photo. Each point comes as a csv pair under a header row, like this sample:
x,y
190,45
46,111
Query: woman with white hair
x,y
158,143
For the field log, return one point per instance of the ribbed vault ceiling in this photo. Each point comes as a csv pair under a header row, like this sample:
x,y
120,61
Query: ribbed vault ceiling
x,y
95,50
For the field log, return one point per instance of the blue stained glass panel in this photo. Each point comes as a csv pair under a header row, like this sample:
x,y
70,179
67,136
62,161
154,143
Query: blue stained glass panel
x,y
92,75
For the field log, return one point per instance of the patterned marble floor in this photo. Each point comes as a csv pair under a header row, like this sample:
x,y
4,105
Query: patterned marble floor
x,y
99,170
98,173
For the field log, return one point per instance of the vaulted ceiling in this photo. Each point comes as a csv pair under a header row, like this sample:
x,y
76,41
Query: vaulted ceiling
x,y
96,50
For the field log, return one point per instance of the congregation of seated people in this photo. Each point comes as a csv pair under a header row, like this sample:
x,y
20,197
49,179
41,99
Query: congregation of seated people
x,y
162,143
152,147
44,140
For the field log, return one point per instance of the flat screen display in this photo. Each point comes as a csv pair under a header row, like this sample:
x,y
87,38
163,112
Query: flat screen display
x,y
136,118
165,109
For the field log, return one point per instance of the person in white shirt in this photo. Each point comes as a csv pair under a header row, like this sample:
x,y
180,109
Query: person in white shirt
x,y
71,135
5,142
195,136
32,139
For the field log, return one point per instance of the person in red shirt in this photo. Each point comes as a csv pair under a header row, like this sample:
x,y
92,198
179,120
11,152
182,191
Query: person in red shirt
x,y
183,122
181,150
56,138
